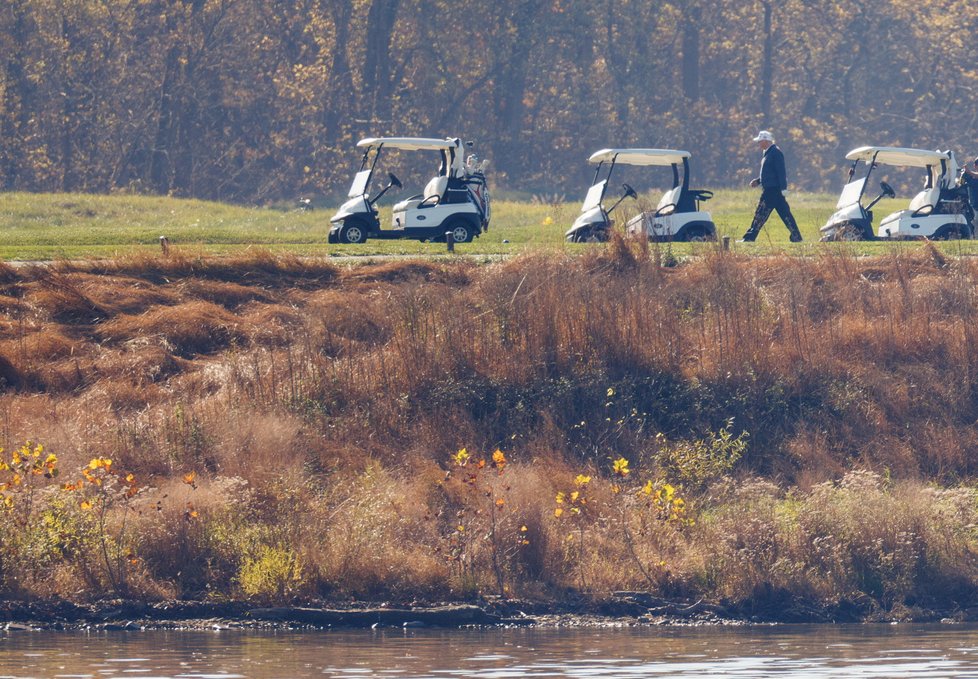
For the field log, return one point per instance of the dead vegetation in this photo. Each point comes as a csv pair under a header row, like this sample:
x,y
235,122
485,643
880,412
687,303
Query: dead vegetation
x,y
339,395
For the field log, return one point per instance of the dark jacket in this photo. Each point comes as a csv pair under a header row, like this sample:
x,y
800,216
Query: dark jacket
x,y
773,175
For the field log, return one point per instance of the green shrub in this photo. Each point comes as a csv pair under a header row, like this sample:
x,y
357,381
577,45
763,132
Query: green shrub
x,y
275,574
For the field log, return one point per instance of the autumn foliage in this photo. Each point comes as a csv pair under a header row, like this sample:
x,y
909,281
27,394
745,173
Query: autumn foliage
x,y
263,100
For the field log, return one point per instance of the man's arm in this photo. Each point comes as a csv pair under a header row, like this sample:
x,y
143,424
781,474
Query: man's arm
x,y
782,173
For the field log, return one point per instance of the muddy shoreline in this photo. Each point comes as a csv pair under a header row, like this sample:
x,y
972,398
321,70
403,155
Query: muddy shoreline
x,y
622,609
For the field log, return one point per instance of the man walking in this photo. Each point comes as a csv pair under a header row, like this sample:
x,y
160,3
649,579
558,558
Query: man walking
x,y
773,181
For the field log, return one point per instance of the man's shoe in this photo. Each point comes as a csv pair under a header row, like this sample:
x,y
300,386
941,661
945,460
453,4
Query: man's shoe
x,y
745,239
795,237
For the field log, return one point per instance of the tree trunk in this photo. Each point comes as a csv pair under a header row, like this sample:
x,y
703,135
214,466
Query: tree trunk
x,y
767,66
339,92
18,98
377,62
159,173
509,85
68,113
620,68
187,113
691,52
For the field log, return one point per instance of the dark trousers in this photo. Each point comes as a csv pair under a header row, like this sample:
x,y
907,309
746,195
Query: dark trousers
x,y
772,199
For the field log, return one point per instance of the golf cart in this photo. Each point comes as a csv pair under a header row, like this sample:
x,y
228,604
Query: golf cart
x,y
676,217
940,212
455,201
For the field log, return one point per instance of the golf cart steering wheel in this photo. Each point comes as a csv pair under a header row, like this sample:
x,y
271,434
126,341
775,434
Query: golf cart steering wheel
x,y
887,190
629,191
394,181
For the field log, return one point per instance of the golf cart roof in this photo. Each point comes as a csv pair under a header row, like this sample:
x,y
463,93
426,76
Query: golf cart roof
x,y
894,155
408,143
664,157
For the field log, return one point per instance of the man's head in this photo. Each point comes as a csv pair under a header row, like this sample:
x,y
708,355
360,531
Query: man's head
x,y
764,139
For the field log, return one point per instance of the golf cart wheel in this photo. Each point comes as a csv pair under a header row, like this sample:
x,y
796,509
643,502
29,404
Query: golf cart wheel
x,y
460,230
698,234
353,233
849,233
949,232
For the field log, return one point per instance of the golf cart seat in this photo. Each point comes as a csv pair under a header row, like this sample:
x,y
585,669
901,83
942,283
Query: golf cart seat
x,y
432,195
922,204
408,203
689,200
434,191
925,201
669,202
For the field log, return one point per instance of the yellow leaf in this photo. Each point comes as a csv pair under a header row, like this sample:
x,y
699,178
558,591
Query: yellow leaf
x,y
189,478
500,502
85,504
499,459
558,512
582,480
620,467
461,457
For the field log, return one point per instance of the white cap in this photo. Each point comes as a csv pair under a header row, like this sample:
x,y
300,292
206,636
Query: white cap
x,y
764,135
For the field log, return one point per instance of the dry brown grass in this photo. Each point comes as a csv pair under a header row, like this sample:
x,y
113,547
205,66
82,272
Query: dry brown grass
x,y
187,329
336,397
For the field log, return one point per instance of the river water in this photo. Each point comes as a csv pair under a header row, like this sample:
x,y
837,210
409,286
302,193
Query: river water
x,y
775,651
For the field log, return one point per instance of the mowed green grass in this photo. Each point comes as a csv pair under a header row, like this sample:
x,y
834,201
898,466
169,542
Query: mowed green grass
x,y
70,226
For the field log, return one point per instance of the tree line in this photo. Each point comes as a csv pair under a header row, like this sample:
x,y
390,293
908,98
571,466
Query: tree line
x,y
263,100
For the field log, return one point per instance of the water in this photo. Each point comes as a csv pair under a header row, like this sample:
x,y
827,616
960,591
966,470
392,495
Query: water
x,y
784,651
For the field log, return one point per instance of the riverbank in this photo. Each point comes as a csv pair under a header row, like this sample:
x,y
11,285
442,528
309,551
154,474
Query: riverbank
x,y
620,609
733,434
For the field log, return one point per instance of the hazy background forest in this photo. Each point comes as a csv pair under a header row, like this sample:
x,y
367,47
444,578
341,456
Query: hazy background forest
x,y
262,100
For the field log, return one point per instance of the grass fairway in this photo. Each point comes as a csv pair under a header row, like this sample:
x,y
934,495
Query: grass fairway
x,y
71,226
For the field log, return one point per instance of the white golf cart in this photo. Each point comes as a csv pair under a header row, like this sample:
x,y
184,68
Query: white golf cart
x,y
676,217
455,201
940,212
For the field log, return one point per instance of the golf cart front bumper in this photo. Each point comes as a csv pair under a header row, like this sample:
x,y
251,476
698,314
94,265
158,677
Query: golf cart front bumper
x,y
334,233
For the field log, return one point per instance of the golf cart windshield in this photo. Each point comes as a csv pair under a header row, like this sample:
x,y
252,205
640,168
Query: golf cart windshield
x,y
851,193
360,183
594,196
